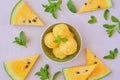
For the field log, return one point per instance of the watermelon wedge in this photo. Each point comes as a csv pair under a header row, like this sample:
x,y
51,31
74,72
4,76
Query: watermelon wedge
x,y
92,5
22,14
101,69
18,69
78,72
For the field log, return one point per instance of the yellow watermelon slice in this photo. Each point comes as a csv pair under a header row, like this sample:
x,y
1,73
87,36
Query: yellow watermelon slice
x,y
19,69
101,69
23,15
78,72
92,5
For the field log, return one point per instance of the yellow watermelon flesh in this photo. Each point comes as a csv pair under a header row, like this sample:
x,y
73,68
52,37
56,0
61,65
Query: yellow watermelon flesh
x,y
22,14
19,69
92,5
78,72
101,69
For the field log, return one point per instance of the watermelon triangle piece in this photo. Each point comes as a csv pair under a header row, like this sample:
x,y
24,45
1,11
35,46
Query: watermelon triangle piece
x,y
22,14
101,69
78,72
18,69
92,5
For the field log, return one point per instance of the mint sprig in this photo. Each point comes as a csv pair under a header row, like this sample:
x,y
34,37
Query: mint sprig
x,y
110,29
59,39
53,7
44,73
112,54
21,40
114,27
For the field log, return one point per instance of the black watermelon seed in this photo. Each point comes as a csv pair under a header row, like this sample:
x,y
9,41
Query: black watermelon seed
x,y
26,66
98,6
95,62
35,17
86,70
28,62
29,21
85,3
23,21
34,20
78,72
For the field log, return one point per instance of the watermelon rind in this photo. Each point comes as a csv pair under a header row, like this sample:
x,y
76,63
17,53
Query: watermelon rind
x,y
14,10
7,70
102,76
109,2
63,74
12,76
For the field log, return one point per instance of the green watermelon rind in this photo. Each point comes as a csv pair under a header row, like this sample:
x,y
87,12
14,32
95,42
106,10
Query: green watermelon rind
x,y
7,69
102,76
109,2
64,73
95,78
14,10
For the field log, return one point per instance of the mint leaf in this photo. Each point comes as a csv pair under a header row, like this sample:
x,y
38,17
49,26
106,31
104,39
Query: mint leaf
x,y
118,27
106,14
71,6
54,14
93,20
49,1
58,5
21,40
107,26
55,75
17,40
57,40
64,39
110,32
112,54
114,19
